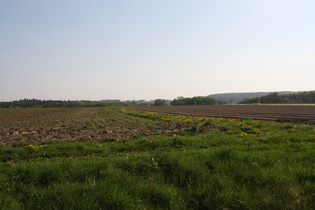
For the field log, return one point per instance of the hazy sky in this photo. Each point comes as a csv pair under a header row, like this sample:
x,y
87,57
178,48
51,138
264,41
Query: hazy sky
x,y
149,49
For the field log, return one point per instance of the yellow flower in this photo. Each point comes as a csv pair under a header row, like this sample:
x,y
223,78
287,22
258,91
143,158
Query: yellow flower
x,y
151,142
30,145
243,134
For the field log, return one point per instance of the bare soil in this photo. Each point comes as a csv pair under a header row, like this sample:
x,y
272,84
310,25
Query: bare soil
x,y
77,124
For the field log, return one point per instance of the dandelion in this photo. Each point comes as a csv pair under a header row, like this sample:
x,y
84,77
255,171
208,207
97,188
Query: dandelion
x,y
243,134
151,142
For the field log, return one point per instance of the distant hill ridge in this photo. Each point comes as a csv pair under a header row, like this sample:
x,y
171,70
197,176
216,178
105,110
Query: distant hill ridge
x,y
234,98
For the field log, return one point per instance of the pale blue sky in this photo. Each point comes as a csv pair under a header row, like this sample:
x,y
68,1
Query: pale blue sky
x,y
141,49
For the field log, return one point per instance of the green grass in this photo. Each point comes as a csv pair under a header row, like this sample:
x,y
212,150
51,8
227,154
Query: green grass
x,y
237,164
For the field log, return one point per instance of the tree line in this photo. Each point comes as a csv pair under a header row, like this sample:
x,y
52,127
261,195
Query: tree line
x,y
36,103
300,97
234,98
197,100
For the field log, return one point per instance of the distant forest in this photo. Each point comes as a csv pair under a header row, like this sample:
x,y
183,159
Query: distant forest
x,y
234,98
298,98
59,103
276,97
198,100
36,103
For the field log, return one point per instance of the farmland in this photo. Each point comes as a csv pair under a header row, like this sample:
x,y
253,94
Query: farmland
x,y
75,124
304,114
114,158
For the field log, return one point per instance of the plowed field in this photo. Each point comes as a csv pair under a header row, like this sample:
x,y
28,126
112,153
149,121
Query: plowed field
x,y
303,114
76,124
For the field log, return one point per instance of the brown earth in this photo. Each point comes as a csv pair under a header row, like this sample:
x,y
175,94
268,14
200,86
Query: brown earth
x,y
19,126
302,114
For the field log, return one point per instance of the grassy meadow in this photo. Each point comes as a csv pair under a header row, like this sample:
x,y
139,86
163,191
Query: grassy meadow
x,y
112,158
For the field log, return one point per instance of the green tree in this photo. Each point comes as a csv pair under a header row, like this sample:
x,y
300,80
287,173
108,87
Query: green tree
x,y
160,102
